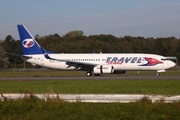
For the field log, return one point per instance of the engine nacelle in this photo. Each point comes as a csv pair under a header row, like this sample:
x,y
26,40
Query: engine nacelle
x,y
119,72
103,69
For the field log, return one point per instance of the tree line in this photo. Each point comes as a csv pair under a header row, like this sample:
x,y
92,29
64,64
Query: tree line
x,y
77,42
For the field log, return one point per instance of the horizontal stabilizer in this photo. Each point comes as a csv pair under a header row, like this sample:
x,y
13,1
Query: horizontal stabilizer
x,y
17,55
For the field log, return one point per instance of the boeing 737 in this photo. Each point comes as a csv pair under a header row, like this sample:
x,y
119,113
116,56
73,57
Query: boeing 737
x,y
101,63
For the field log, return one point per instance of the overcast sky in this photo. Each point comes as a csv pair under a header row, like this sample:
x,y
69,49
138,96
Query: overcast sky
x,y
146,18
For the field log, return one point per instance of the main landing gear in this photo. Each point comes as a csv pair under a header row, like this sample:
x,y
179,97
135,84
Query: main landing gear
x,y
88,73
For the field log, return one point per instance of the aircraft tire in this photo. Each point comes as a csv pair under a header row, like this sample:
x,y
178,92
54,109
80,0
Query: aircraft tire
x,y
158,74
89,73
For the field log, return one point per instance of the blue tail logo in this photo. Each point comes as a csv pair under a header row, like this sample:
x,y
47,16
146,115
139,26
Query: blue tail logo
x,y
28,43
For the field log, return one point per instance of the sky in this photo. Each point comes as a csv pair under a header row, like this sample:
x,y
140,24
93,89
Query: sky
x,y
145,18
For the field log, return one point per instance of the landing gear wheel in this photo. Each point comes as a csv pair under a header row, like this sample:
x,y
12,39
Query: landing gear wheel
x,y
89,73
158,74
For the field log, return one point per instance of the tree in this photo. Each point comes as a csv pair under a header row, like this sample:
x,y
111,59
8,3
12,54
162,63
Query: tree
x,y
74,34
178,52
3,59
12,46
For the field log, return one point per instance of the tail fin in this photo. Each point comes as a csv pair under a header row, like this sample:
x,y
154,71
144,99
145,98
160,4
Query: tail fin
x,y
29,44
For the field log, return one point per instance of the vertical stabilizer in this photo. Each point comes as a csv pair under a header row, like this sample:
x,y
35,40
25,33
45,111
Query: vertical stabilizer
x,y
29,44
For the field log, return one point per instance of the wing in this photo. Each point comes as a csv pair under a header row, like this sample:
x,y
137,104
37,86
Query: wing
x,y
174,59
78,65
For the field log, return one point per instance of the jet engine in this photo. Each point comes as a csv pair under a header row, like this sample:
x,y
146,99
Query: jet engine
x,y
103,69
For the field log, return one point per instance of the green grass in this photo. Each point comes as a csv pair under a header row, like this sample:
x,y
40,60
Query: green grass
x,y
21,73
168,87
35,109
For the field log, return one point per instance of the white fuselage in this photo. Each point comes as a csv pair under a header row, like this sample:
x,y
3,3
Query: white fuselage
x,y
118,61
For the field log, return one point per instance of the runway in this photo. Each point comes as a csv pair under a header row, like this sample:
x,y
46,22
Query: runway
x,y
133,77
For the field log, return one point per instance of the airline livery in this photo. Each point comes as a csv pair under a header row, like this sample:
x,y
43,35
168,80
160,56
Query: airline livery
x,y
92,63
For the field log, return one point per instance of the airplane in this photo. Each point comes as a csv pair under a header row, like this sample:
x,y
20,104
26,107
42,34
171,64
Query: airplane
x,y
98,63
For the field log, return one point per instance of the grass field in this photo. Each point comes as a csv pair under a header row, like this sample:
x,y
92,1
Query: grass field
x,y
35,109
168,87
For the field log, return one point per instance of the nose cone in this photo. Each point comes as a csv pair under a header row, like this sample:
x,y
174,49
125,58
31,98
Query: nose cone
x,y
171,64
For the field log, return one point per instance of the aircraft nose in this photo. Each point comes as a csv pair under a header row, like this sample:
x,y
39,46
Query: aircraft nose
x,y
171,64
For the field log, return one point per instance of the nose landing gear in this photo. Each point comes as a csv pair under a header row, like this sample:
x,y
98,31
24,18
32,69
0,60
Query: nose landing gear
x,y
158,74
159,71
